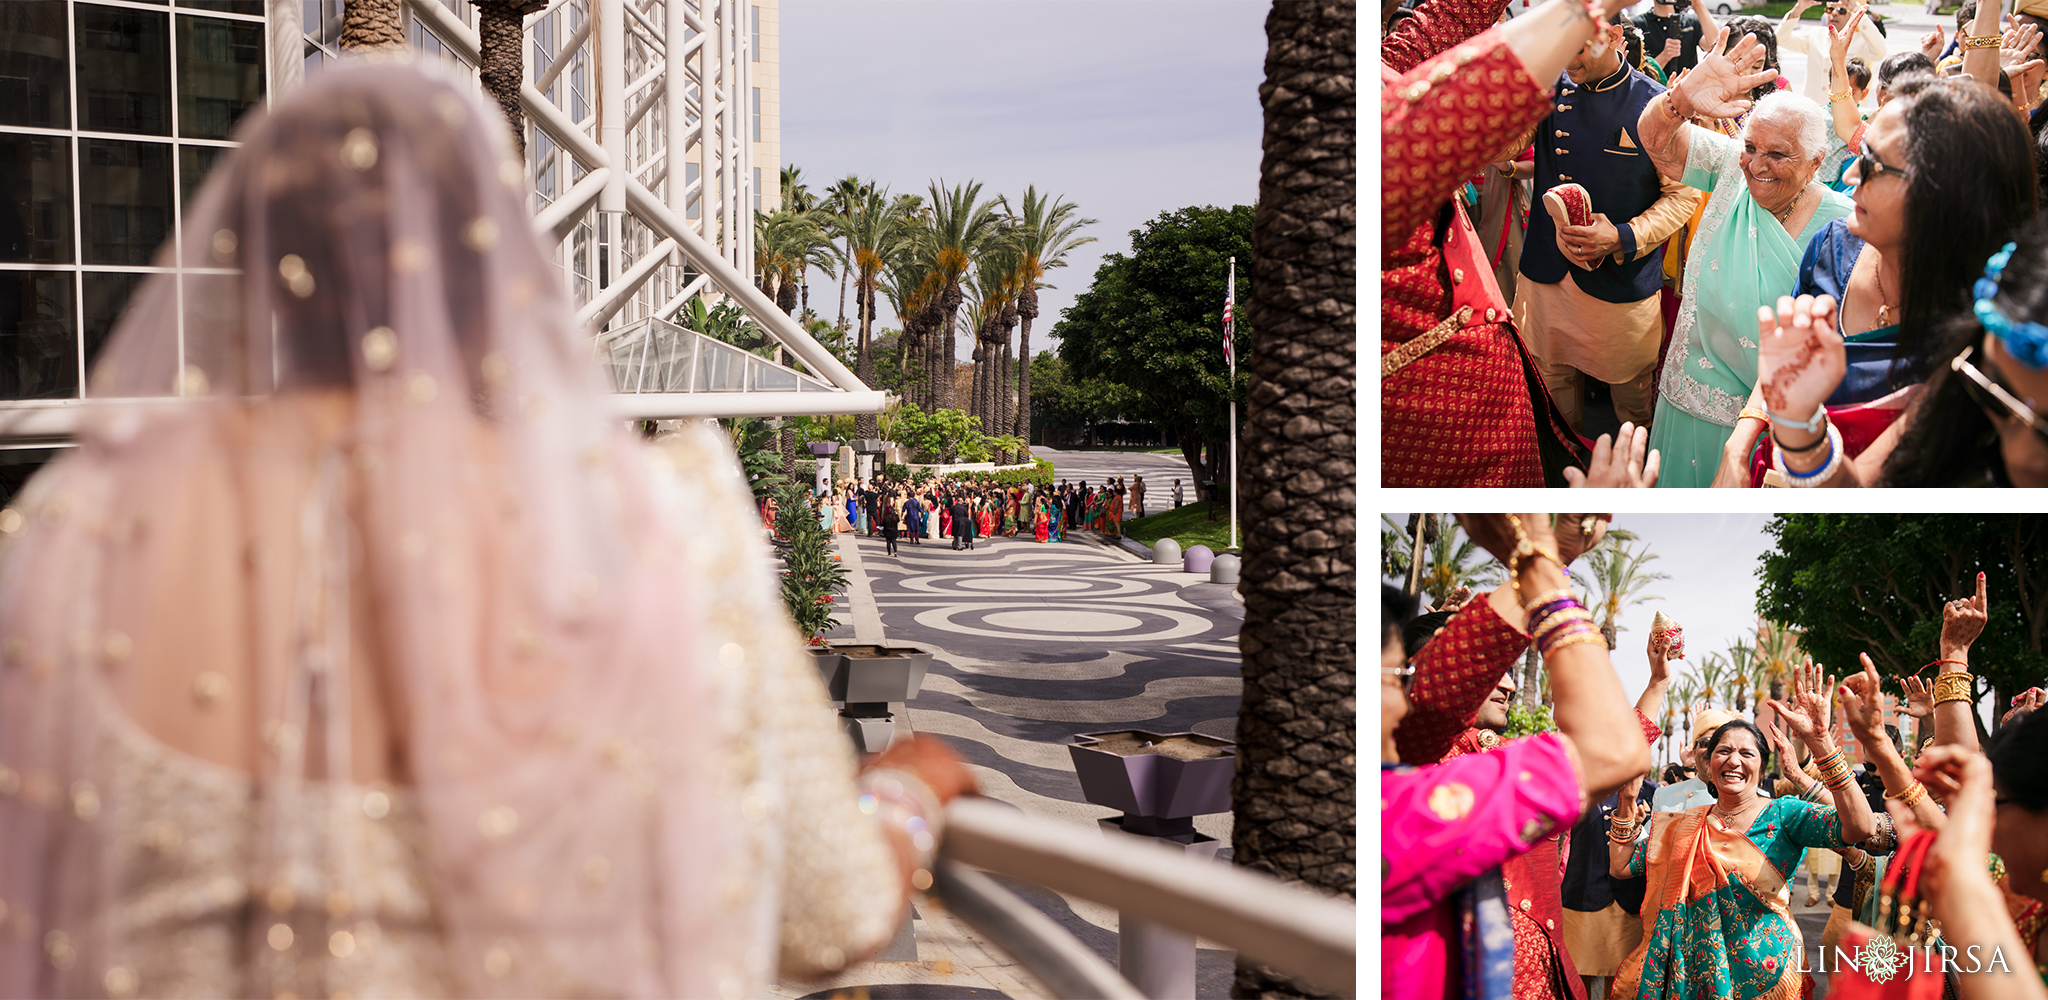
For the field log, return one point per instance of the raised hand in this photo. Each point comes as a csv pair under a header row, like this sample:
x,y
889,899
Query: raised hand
x,y
1672,47
1660,645
2016,47
2028,701
1715,87
1495,534
1622,462
1962,621
1800,358
1625,802
1838,41
1578,533
1932,43
1863,697
1807,714
1919,697
1456,600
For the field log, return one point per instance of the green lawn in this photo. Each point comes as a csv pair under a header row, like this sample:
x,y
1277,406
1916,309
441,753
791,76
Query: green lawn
x,y
1189,525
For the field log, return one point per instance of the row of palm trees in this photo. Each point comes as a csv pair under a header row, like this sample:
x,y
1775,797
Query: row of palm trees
x,y
1738,678
930,255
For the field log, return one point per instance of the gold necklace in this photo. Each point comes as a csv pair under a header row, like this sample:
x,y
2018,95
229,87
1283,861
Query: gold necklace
x,y
1789,209
1884,309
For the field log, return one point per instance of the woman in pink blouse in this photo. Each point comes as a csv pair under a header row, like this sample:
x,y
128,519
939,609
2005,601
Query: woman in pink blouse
x,y
1445,828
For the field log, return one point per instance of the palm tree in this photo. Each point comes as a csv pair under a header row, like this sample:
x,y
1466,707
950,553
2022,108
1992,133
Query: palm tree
x,y
841,199
1777,652
1616,572
500,29
913,288
798,200
1046,230
1295,795
874,235
996,276
1745,674
372,24
1449,561
959,228
1713,670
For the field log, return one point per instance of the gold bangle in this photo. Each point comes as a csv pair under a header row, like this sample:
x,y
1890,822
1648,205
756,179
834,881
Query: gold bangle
x,y
1550,595
1752,411
1843,96
1953,687
1912,795
1982,41
1589,635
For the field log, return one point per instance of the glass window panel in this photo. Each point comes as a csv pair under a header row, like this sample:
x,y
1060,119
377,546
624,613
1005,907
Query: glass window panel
x,y
720,368
227,6
757,114
125,200
694,200
35,199
38,335
220,74
768,378
124,70
34,88
195,163
755,48
106,297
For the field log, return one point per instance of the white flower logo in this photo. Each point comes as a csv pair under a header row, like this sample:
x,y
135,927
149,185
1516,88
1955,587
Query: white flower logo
x,y
1880,959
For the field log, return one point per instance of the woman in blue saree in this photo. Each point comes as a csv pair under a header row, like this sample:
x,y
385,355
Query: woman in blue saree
x,y
1764,207
1716,916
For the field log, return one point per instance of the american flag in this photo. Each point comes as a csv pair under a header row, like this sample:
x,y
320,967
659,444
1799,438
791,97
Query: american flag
x,y
1229,324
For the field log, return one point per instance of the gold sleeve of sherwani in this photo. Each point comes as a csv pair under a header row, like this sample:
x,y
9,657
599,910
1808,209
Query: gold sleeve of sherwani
x,y
1672,210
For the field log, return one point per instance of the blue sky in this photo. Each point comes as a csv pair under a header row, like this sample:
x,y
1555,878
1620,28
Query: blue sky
x,y
1127,109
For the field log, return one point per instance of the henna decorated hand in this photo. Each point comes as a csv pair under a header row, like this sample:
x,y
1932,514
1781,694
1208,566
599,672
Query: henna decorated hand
x,y
1578,533
1800,359
1495,534
1962,621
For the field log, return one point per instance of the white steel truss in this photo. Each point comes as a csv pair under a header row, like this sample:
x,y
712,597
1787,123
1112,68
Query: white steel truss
x,y
660,236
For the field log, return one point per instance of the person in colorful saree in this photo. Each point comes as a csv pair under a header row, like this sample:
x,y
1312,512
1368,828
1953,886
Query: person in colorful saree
x,y
1448,827
1716,916
1764,208
1041,522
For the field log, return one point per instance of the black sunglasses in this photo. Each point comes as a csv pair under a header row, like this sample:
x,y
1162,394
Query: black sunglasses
x,y
1867,166
1994,399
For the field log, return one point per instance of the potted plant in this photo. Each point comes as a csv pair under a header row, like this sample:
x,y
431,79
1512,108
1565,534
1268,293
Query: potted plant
x,y
1160,782
811,574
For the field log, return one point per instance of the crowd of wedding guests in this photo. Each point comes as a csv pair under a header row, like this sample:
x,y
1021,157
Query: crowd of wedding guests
x,y
1839,285
1547,866
912,512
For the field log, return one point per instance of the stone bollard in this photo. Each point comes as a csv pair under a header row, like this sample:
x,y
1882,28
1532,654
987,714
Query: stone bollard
x,y
1224,569
1198,559
1166,552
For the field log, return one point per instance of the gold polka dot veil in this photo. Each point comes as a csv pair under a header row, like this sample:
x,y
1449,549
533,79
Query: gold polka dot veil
x,y
354,590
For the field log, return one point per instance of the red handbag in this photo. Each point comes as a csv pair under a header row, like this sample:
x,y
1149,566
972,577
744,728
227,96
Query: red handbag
x,y
1896,960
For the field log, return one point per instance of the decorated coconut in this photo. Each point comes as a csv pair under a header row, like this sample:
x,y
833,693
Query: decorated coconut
x,y
1667,630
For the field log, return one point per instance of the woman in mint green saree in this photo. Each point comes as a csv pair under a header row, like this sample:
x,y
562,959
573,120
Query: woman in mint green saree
x,y
1716,916
1764,206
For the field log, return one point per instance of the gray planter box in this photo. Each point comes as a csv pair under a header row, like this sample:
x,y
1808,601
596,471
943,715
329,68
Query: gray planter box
x,y
865,679
824,449
1160,789
875,674
869,446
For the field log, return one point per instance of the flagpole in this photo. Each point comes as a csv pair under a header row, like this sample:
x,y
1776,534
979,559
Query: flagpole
x,y
1230,296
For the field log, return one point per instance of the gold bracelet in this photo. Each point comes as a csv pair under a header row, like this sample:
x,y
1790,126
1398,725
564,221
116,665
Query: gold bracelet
x,y
1843,96
1953,687
1912,795
1589,635
1754,411
1548,596
1982,41
1508,172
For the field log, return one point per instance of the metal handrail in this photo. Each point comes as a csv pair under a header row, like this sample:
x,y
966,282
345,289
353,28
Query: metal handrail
x,y
1295,930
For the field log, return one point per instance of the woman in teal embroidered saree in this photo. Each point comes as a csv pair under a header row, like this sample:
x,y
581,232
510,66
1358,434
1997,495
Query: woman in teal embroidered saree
x,y
1764,206
1716,917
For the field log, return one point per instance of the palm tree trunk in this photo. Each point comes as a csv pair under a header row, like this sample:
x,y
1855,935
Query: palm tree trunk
x,y
842,298
1295,795
1027,307
864,425
372,24
500,28
948,345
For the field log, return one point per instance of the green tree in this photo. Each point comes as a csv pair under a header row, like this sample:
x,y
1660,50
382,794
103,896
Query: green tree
x,y
874,233
760,458
1876,583
1046,229
1614,578
1063,401
1154,322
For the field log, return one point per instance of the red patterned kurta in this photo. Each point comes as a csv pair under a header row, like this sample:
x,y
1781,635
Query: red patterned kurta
x,y
1467,412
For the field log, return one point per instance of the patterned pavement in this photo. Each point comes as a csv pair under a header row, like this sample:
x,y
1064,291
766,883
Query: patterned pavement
x,y
1035,643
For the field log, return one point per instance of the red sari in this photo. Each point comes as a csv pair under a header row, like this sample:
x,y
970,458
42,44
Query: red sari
x,y
1041,525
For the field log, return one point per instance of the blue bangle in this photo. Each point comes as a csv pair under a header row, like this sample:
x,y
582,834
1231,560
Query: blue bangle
x,y
1818,469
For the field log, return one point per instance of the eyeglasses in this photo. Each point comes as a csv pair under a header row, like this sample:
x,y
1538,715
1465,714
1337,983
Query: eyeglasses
x,y
1838,11
1867,166
1994,400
